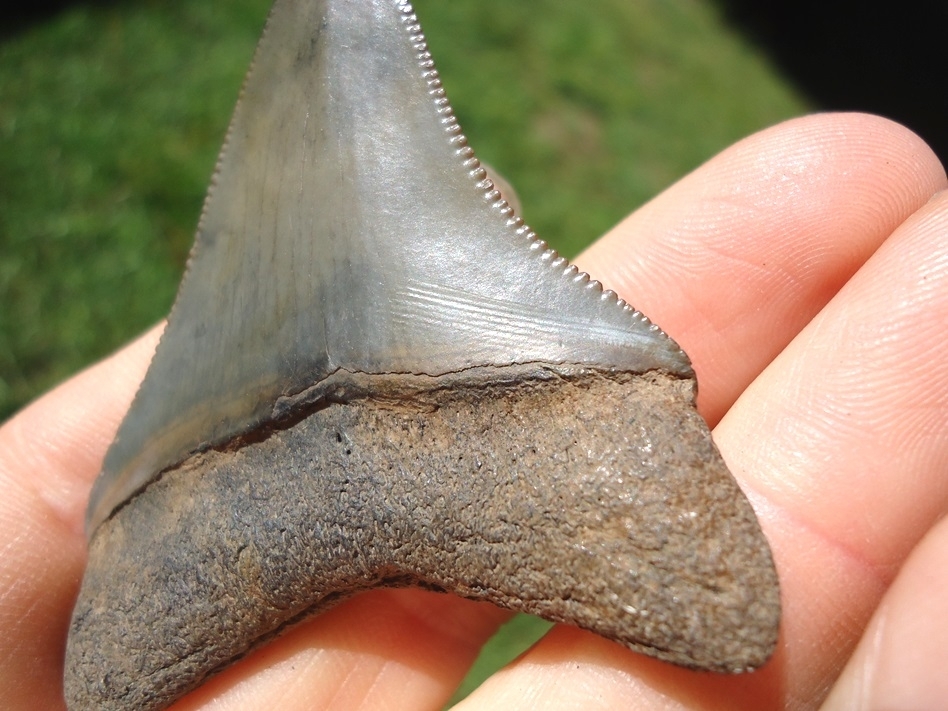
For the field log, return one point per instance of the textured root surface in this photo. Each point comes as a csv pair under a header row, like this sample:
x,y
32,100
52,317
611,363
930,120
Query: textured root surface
x,y
593,500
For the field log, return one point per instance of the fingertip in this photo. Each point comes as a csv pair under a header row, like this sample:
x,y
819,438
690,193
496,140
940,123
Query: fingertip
x,y
734,259
897,664
55,445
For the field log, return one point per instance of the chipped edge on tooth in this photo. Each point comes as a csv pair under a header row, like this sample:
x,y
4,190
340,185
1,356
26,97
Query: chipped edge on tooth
x,y
484,184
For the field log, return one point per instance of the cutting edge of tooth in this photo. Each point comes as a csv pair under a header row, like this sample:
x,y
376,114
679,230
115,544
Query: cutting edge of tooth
x,y
228,134
223,152
503,207
483,184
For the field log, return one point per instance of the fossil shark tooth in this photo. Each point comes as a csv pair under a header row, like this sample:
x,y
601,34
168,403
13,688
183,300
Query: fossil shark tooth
x,y
376,374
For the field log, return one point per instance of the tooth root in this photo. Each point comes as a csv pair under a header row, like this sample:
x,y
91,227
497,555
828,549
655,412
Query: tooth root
x,y
454,487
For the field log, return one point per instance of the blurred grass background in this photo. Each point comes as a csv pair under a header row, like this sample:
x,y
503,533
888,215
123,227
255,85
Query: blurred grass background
x,y
112,113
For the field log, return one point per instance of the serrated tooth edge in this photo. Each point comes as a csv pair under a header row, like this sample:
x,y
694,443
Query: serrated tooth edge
x,y
483,183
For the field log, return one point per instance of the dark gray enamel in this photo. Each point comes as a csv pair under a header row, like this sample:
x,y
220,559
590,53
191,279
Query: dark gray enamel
x,y
350,227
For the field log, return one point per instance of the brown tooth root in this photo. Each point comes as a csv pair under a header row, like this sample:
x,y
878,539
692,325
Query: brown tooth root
x,y
615,513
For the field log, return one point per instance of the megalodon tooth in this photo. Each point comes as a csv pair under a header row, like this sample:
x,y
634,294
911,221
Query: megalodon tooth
x,y
375,374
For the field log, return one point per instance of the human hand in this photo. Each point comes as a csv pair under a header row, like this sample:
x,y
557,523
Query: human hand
x,y
806,274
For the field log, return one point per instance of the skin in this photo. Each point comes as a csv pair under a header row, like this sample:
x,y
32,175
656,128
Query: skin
x,y
805,270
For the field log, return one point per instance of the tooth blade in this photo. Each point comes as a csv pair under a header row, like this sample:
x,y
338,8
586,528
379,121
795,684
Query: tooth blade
x,y
350,229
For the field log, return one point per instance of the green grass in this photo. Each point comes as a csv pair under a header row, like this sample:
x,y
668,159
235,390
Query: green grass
x,y
507,644
111,117
110,121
